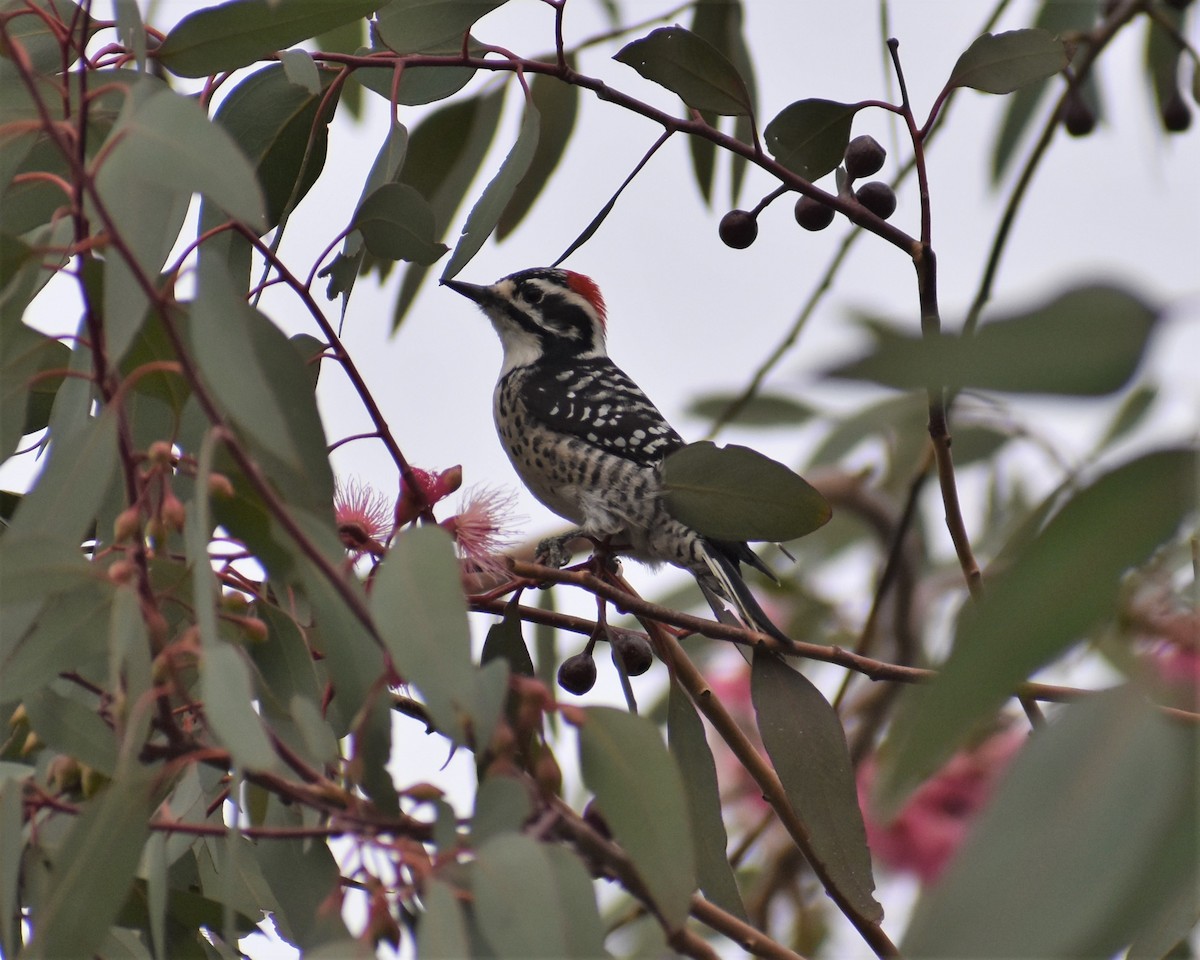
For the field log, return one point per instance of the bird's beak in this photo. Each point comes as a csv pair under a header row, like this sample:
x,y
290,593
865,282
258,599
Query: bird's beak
x,y
472,291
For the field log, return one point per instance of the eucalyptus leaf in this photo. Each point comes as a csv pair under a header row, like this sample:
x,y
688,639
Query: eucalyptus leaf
x,y
809,137
518,920
234,34
1051,593
641,796
1088,341
807,745
495,197
443,930
557,104
1003,62
418,604
734,493
283,129
689,747
1088,899
397,223
419,26
690,66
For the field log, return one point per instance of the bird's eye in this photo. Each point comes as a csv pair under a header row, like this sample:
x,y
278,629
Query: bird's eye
x,y
533,294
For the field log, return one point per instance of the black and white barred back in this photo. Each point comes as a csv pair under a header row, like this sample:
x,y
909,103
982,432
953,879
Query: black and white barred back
x,y
583,436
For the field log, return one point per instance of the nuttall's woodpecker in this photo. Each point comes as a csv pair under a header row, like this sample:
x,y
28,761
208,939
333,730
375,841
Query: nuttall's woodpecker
x,y
587,442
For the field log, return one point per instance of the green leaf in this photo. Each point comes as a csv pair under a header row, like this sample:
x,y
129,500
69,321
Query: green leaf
x,y
1050,595
519,920
301,70
263,384
1085,342
762,410
1004,62
576,896
397,223
502,805
236,33
373,750
168,142
641,796
495,197
442,931
1131,413
421,26
67,494
418,85
282,130
228,697
1163,53
24,354
304,878
557,103
69,727
418,604
734,493
504,641
809,137
807,745
83,898
444,155
691,67
689,747
1111,789
12,846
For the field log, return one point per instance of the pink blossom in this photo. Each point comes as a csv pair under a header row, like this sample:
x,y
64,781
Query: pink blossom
x,y
926,833
426,488
363,516
478,529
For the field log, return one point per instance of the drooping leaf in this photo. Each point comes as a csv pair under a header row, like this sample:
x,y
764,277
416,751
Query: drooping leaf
x,y
421,26
577,902
504,641
809,137
486,213
735,493
1051,593
1003,62
262,382
807,745
70,488
83,901
372,751
418,605
443,930
24,405
502,805
689,747
69,727
12,845
1089,898
1163,54
640,794
397,223
523,919
234,34
1085,342
283,131
444,155
557,104
303,876
691,67
168,142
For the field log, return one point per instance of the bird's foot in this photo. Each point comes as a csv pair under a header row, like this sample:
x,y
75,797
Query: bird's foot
x,y
553,552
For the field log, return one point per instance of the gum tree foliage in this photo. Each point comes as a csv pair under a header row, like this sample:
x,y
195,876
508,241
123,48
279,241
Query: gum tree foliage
x,y
200,690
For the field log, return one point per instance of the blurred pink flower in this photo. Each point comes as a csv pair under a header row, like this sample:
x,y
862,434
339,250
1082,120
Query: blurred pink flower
x,y
479,526
363,516
927,832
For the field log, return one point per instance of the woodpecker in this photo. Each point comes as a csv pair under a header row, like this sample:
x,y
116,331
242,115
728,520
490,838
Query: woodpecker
x,y
586,440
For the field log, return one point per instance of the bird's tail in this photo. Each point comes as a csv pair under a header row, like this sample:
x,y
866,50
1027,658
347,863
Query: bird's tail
x,y
728,577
